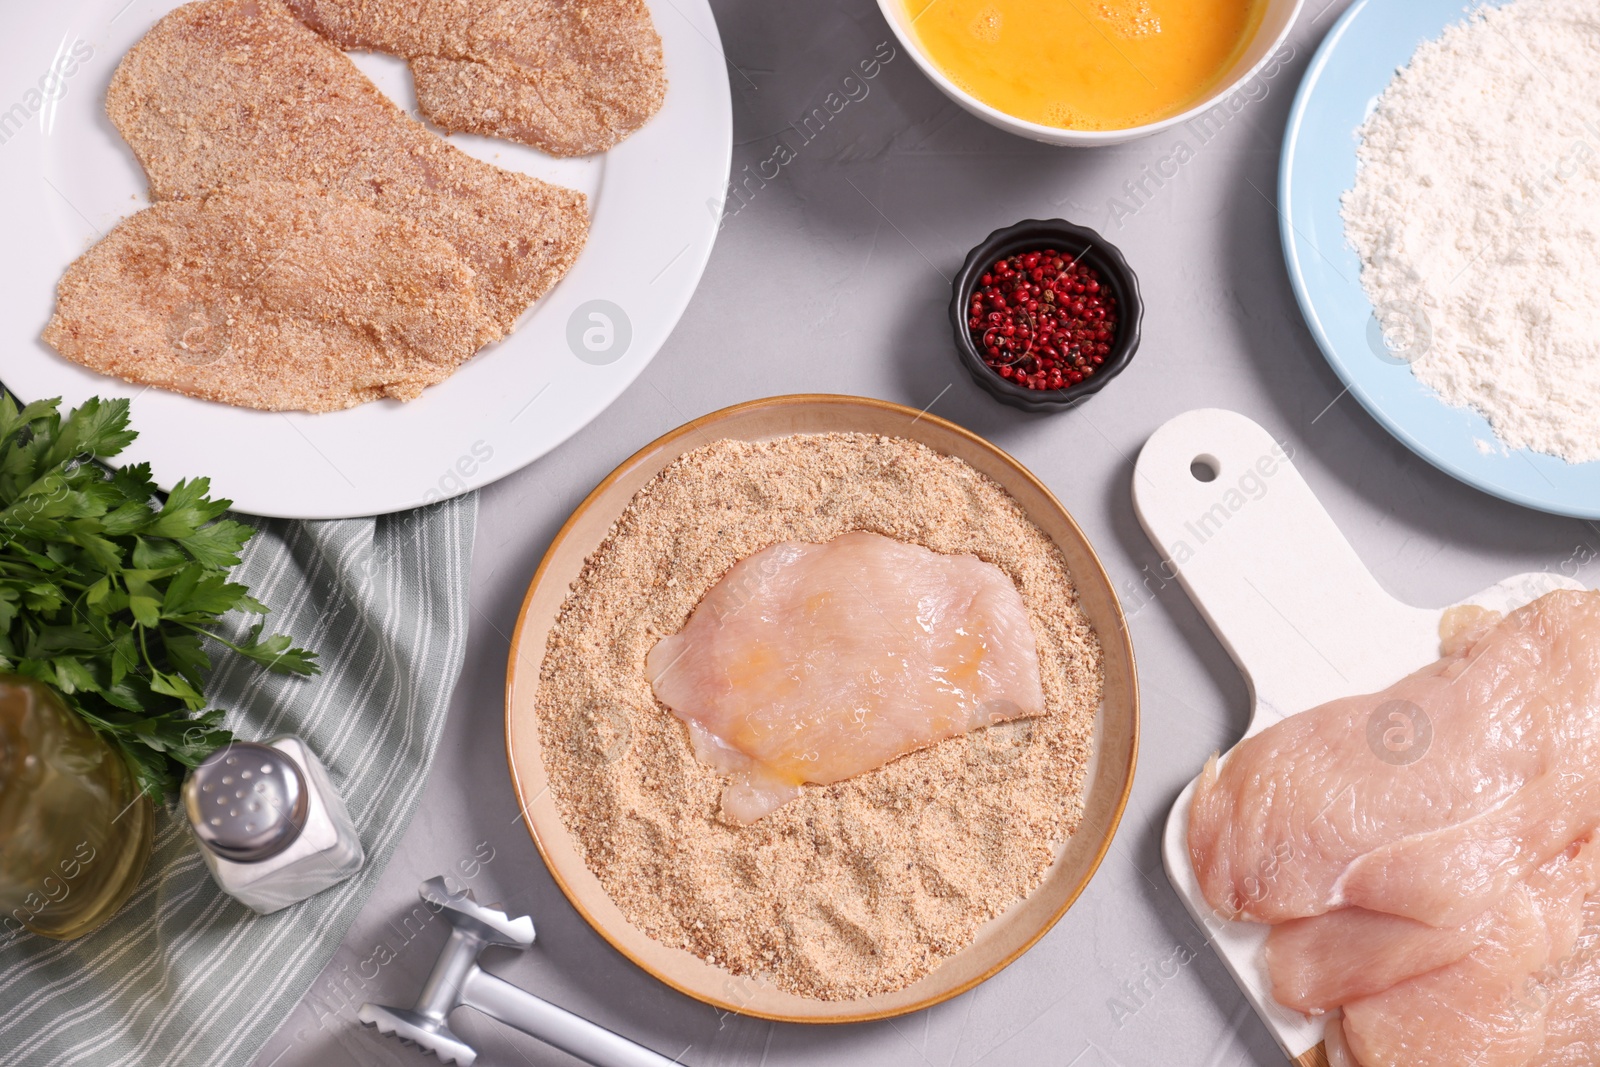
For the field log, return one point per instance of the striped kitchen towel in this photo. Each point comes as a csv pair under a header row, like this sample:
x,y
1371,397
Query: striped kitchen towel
x,y
185,974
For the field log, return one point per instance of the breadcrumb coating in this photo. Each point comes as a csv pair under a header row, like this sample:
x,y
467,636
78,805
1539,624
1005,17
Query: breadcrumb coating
x,y
567,77
272,296
225,92
857,888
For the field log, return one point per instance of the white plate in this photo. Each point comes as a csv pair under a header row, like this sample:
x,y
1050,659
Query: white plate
x,y
69,177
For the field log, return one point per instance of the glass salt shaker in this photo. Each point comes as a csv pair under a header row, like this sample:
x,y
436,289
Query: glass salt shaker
x,y
270,826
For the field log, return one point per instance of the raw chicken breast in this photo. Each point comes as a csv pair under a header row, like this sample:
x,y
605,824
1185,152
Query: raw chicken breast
x,y
1319,963
1467,1013
1476,1010
1509,777
816,663
1570,994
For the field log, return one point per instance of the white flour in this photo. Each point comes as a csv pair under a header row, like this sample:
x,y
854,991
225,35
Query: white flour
x,y
1476,211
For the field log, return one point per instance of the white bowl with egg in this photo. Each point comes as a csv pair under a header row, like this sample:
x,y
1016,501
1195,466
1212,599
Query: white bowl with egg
x,y
1260,58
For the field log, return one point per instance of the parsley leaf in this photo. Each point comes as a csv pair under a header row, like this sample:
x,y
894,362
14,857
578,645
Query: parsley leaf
x,y
110,593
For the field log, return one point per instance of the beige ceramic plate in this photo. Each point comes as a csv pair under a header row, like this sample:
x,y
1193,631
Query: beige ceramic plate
x,y
999,941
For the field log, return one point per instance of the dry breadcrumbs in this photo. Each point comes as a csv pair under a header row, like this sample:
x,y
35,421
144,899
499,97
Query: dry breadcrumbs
x,y
857,888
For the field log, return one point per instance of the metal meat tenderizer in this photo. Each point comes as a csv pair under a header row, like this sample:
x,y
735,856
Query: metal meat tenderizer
x,y
457,980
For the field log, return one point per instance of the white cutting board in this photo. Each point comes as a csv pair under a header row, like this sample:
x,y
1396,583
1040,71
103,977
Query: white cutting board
x,y
1292,603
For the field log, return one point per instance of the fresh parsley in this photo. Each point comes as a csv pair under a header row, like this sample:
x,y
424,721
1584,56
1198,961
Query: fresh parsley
x,y
109,593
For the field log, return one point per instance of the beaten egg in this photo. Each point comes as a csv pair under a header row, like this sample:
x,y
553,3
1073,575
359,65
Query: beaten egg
x,y
1086,64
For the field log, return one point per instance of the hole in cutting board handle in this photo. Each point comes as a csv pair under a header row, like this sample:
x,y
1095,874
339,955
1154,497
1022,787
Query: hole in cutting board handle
x,y
1205,468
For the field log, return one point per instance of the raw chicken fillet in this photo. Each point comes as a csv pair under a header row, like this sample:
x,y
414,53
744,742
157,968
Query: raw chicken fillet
x,y
1444,895
1510,778
1321,962
1569,995
1474,1011
816,663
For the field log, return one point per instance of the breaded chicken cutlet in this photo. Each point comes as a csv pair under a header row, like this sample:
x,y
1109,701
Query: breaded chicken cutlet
x,y
226,92
272,296
569,77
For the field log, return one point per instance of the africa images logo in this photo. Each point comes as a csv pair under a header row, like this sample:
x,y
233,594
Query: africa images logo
x,y
1399,732
599,332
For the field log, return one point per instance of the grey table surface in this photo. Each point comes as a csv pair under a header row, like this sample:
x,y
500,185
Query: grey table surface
x,y
833,278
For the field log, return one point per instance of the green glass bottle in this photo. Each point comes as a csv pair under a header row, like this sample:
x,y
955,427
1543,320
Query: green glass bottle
x,y
74,829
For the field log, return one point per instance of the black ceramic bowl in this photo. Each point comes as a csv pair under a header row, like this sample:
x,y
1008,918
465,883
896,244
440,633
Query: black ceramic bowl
x,y
1093,250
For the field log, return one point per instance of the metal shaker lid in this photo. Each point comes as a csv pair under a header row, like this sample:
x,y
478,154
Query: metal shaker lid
x,y
247,802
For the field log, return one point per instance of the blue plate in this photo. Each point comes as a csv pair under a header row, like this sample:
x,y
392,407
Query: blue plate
x,y
1353,66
